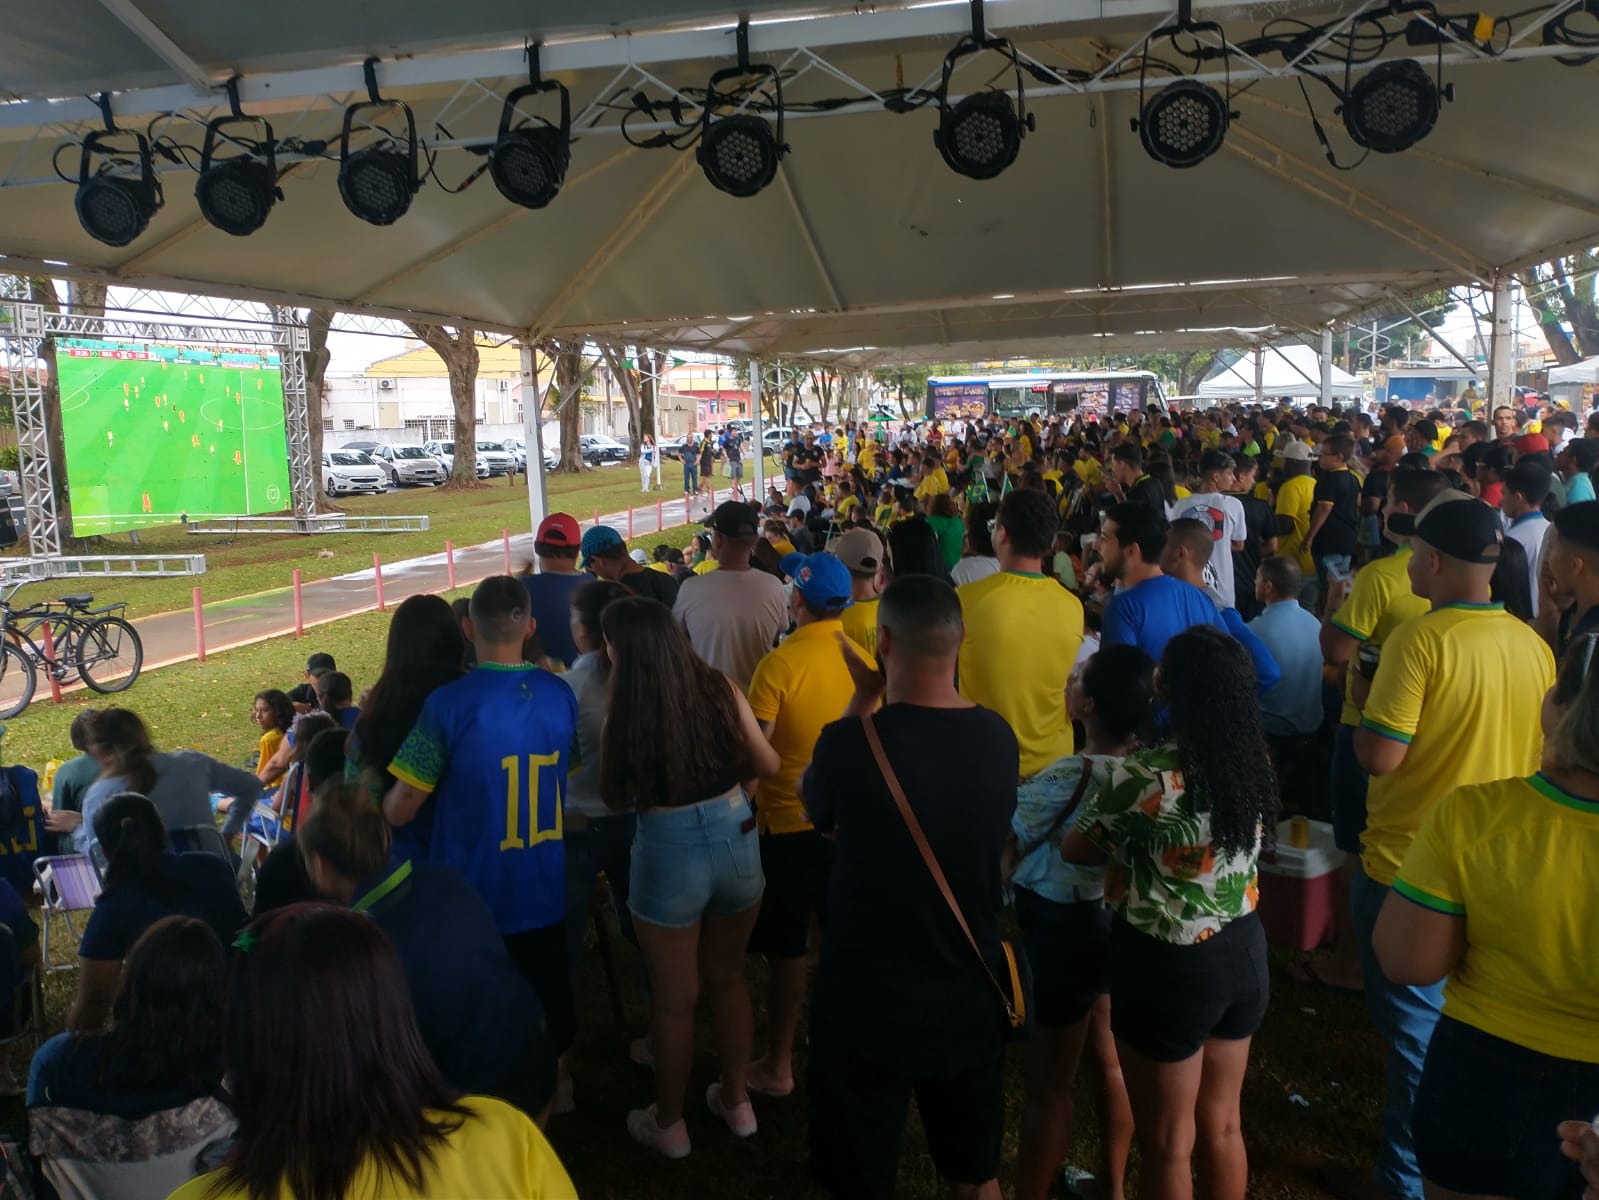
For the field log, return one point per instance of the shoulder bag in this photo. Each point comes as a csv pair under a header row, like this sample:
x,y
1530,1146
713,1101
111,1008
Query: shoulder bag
x,y
1011,974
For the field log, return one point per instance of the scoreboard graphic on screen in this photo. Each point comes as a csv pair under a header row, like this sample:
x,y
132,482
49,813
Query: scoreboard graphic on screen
x,y
154,432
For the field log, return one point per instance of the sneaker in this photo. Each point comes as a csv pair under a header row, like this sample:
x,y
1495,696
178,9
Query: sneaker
x,y
740,1119
563,1101
672,1141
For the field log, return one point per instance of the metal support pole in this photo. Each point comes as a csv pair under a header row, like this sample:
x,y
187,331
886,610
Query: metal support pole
x,y
758,449
538,505
1260,375
1501,345
1326,367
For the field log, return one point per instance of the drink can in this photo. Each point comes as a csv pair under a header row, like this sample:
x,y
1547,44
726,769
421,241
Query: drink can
x,y
1299,833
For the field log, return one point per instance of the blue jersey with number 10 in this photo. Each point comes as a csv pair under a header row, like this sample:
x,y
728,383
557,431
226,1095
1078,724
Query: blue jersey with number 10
x,y
492,750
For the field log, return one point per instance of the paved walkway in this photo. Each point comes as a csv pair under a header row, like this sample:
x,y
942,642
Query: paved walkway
x,y
170,638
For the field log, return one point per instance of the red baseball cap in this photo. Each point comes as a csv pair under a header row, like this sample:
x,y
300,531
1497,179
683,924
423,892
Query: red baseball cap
x,y
559,529
1532,443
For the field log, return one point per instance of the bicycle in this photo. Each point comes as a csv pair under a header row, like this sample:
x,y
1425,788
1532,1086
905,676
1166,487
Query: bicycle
x,y
99,644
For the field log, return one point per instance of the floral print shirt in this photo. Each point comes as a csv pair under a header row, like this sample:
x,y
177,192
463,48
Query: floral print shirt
x,y
1164,876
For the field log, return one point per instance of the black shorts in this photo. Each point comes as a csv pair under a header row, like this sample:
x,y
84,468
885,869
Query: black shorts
x,y
797,867
857,1112
1068,946
1167,1001
540,955
1486,1112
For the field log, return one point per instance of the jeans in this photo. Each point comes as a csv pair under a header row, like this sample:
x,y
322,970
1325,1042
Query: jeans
x,y
1348,781
1405,1017
606,845
696,858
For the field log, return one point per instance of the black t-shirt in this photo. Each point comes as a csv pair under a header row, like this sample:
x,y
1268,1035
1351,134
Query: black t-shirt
x,y
1146,490
735,452
657,585
801,540
1259,523
707,457
198,885
898,983
1337,534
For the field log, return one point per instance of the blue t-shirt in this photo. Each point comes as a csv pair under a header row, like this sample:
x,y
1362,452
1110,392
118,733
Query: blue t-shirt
x,y
66,1073
493,751
1155,611
1579,489
550,604
348,716
1292,708
200,885
474,1009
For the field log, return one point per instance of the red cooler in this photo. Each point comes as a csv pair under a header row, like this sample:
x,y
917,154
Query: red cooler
x,y
1296,891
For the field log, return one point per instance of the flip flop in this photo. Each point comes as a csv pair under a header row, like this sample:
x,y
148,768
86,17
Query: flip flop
x,y
775,1093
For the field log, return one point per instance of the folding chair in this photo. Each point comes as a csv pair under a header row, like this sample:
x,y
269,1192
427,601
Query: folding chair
x,y
207,839
67,884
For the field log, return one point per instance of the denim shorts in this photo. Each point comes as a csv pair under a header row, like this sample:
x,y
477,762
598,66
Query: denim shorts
x,y
698,858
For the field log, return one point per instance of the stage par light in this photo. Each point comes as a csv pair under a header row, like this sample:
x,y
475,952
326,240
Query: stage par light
x,y
1392,107
981,135
377,182
1183,123
529,164
740,152
236,194
115,199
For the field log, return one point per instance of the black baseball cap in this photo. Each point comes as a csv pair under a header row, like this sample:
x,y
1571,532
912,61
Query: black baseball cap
x,y
734,519
1456,525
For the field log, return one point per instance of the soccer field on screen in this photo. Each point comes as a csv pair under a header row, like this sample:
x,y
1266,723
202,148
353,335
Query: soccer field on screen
x,y
157,432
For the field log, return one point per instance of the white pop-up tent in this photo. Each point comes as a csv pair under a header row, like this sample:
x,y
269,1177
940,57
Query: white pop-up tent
x,y
1586,371
1293,371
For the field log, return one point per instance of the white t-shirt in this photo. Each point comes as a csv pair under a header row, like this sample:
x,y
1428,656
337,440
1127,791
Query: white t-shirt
x,y
733,618
1530,530
1225,516
973,568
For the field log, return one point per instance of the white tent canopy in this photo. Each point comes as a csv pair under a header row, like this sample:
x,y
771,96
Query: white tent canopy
x,y
1292,371
1586,371
867,249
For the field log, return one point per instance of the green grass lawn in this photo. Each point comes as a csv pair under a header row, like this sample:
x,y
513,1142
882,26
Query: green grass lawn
x,y
243,565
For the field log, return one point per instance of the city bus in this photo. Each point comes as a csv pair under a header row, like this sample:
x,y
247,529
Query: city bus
x,y
1051,393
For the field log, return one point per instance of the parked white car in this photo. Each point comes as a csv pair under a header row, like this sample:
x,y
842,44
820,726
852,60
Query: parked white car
x,y
348,471
495,456
409,465
444,452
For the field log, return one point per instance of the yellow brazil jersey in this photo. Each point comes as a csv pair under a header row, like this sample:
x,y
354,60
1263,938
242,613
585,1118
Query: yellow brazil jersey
x,y
1379,603
866,456
1181,492
496,1152
860,625
1294,500
934,483
799,687
1053,476
1210,438
664,568
1517,859
1090,472
784,548
1262,492
1461,686
883,515
847,503
1023,633
705,565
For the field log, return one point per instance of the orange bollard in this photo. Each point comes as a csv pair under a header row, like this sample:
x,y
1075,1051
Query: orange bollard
x,y
199,627
629,522
377,572
50,654
449,556
660,515
505,536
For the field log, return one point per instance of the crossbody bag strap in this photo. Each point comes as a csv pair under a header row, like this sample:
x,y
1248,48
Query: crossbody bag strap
x,y
926,851
1072,805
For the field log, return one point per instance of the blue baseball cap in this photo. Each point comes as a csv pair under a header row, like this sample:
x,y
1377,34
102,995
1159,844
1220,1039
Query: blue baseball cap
x,y
597,541
821,578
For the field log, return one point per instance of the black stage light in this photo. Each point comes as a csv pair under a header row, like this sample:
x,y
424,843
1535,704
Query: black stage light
x,y
236,194
1392,107
1183,124
740,152
981,135
116,198
529,164
378,182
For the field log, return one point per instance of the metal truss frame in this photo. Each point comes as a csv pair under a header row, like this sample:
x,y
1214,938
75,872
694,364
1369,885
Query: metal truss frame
x,y
24,329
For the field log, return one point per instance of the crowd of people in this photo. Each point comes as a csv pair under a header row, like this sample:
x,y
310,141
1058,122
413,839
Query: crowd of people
x,y
1078,667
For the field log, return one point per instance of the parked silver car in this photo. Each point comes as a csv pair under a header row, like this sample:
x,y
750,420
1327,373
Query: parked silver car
x,y
444,452
410,465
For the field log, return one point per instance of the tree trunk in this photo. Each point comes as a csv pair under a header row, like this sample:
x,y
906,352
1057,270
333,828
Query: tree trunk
x,y
568,390
648,397
627,379
1533,285
460,354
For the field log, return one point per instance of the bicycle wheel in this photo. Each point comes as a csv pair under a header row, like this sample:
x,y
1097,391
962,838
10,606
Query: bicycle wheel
x,y
16,681
109,654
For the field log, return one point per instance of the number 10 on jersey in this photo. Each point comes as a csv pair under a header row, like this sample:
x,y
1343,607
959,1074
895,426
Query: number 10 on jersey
x,y
516,797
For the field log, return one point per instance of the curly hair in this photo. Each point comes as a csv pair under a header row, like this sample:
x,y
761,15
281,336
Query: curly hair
x,y
1208,681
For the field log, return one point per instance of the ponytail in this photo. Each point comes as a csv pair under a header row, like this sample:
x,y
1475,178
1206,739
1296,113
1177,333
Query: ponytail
x,y
130,832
